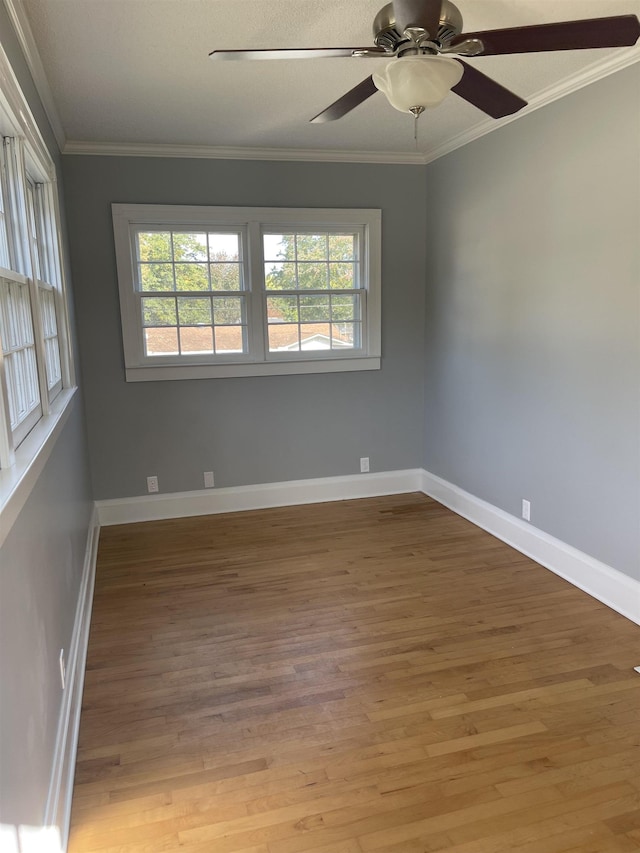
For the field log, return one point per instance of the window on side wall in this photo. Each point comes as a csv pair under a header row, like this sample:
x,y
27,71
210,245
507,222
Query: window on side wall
x,y
33,366
214,291
36,373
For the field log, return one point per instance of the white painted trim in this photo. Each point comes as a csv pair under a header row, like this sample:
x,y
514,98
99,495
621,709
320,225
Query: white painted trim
x,y
591,74
253,368
210,152
606,584
603,582
19,120
261,496
17,481
24,33
58,806
20,21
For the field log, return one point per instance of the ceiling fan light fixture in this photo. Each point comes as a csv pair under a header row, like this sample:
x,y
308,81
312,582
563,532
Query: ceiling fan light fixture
x,y
418,81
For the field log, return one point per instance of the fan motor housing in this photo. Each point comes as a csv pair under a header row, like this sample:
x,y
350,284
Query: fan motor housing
x,y
386,35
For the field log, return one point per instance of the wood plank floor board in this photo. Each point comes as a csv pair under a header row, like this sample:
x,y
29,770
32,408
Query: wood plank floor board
x,y
369,675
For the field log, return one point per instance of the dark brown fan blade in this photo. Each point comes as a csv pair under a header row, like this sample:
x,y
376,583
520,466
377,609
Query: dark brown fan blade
x,y
299,53
620,31
348,102
484,93
417,13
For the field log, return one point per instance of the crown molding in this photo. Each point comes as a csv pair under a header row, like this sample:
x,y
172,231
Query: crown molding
x,y
585,77
27,42
318,155
590,74
20,21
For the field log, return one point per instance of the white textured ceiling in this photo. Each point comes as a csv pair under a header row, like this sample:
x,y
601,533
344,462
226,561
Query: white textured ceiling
x,y
137,71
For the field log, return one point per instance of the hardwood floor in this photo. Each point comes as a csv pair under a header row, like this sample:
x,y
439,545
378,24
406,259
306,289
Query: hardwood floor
x,y
372,675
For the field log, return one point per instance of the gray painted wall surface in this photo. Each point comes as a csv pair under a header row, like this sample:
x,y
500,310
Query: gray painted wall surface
x,y
247,430
532,344
41,564
40,569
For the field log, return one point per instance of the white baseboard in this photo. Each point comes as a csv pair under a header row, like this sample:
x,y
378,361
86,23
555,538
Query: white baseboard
x,y
262,496
608,585
58,807
611,587
603,582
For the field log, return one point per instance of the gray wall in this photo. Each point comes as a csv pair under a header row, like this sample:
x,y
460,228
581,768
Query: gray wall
x,y
532,345
41,564
248,430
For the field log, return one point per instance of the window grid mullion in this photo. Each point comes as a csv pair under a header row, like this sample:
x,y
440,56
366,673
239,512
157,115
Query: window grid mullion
x,y
257,319
38,335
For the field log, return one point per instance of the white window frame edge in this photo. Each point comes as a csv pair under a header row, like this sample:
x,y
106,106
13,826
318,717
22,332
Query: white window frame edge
x,y
250,218
12,98
17,482
23,465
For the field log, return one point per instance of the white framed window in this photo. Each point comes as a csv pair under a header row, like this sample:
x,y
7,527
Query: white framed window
x,y
219,291
19,357
35,360
46,278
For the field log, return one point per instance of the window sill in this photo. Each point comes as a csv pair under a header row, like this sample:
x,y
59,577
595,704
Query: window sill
x,y
17,482
272,368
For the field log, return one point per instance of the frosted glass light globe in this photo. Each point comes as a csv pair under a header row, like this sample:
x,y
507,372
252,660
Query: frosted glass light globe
x,y
418,81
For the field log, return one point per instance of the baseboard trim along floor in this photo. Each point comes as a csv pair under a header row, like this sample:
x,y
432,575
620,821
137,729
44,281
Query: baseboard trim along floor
x,y
260,496
603,582
609,586
58,806
606,584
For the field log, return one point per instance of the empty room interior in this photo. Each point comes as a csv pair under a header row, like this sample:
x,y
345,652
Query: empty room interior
x,y
319,426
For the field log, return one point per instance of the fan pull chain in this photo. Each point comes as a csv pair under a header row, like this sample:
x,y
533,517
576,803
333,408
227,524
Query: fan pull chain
x,y
416,112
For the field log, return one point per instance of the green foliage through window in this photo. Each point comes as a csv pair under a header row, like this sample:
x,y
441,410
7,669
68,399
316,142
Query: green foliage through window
x,y
298,262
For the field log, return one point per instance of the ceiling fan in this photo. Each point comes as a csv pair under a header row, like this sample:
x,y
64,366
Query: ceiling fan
x,y
421,37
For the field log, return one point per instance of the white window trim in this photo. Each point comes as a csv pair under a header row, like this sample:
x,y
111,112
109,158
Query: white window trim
x,y
27,461
17,481
137,369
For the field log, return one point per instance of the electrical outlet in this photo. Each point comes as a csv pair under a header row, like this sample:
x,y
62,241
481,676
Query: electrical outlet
x,y
208,480
526,510
364,464
63,669
152,484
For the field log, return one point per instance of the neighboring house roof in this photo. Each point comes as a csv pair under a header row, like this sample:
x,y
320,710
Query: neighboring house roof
x,y
282,336
318,341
